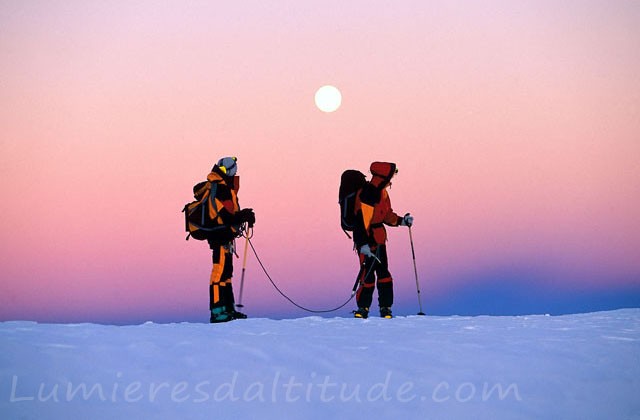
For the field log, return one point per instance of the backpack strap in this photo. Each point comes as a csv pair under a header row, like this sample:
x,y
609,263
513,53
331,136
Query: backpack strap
x,y
343,204
212,201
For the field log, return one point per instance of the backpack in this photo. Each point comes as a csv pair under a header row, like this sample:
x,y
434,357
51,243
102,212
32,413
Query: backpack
x,y
351,182
201,215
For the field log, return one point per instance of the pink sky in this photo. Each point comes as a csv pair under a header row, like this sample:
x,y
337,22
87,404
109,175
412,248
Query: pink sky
x,y
515,126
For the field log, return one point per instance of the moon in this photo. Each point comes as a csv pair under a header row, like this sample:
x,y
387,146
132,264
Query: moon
x,y
328,98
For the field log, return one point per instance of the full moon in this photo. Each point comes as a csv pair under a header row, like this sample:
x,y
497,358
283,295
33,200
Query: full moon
x,y
328,98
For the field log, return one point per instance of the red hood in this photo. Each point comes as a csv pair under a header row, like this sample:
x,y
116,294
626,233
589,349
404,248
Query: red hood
x,y
382,173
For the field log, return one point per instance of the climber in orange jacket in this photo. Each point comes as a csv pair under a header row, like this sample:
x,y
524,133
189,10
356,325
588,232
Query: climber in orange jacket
x,y
373,211
221,241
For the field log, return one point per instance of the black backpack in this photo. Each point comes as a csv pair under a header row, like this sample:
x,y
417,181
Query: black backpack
x,y
200,215
351,182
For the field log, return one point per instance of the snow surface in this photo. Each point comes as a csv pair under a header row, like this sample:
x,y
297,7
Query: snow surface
x,y
584,366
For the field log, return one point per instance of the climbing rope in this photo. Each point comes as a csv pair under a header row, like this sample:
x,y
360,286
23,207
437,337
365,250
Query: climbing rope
x,y
315,311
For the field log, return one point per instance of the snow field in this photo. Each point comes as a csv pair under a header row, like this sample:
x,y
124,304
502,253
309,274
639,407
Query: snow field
x,y
584,366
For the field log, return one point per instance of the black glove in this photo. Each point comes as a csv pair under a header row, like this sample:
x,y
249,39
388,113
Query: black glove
x,y
246,216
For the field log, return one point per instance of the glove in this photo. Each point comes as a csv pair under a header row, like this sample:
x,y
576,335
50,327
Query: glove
x,y
246,216
366,251
250,217
407,220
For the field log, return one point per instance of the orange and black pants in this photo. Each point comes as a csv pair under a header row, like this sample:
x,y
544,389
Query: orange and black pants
x,y
370,270
220,289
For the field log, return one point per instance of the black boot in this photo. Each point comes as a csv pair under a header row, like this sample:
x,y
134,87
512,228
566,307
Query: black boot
x,y
361,313
231,310
385,312
238,315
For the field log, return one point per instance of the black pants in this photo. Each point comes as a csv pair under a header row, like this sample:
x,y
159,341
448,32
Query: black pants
x,y
370,270
220,289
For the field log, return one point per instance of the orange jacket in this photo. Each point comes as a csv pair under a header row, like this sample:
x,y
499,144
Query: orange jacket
x,y
224,206
373,207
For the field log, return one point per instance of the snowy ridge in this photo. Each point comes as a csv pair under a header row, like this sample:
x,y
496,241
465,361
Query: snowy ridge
x,y
531,367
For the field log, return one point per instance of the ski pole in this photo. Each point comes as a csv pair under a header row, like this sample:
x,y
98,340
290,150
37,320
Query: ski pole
x,y
244,266
415,270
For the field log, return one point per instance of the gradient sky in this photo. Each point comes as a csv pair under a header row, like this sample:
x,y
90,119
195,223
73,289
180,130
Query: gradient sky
x,y
515,127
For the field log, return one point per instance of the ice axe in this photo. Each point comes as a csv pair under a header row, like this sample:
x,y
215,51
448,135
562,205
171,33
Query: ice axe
x,y
415,270
244,266
357,283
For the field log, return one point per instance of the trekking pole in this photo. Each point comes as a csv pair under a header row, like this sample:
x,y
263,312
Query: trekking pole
x,y
244,266
415,270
